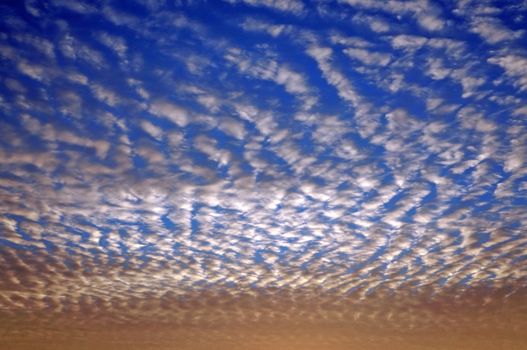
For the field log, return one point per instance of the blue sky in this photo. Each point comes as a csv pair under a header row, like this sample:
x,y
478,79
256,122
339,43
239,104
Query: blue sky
x,y
349,147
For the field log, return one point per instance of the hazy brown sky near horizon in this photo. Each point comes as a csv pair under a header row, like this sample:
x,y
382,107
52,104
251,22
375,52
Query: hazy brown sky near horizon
x,y
280,319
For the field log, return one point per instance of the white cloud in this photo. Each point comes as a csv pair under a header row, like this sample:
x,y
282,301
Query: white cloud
x,y
42,45
232,127
118,17
209,147
105,95
269,69
515,67
113,42
426,13
32,70
436,69
74,49
255,25
369,57
152,130
411,42
521,111
76,6
493,31
171,111
345,89
376,23
292,6
353,41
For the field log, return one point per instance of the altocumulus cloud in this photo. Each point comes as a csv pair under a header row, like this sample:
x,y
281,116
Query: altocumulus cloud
x,y
345,164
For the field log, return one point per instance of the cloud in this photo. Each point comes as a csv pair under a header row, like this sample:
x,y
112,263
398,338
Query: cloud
x,y
375,23
411,42
275,30
115,43
232,127
105,95
76,6
515,67
34,71
426,13
344,87
367,57
118,17
151,129
41,45
171,111
269,69
74,49
209,147
290,6
493,31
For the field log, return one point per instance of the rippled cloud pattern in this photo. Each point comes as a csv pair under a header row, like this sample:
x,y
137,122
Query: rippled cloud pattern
x,y
249,162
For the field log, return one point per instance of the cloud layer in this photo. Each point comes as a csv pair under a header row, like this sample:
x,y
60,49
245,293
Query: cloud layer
x,y
269,162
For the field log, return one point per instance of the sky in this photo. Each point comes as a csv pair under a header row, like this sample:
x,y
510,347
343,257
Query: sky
x,y
262,174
